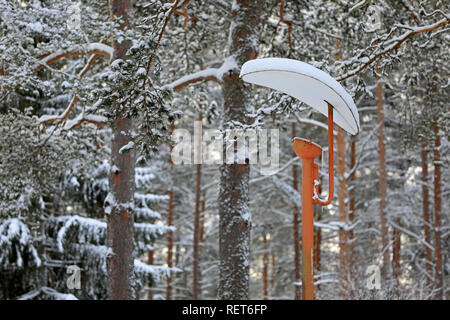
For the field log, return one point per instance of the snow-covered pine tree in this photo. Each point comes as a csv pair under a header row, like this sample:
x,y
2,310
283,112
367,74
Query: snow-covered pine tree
x,y
80,238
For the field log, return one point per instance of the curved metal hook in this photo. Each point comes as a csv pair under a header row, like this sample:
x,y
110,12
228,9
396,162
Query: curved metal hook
x,y
330,161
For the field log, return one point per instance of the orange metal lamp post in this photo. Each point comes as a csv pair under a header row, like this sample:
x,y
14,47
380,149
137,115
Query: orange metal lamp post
x,y
320,91
308,151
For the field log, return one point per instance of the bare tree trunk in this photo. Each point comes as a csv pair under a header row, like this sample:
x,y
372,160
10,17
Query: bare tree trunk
x,y
202,221
170,223
342,195
396,246
385,270
235,219
196,271
342,206
150,262
265,269
426,216
351,210
120,261
272,279
437,213
296,227
170,248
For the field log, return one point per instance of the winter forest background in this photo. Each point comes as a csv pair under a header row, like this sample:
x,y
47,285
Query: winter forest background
x,y
90,92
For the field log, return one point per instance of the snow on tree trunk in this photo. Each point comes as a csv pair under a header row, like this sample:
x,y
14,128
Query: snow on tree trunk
x,y
235,219
120,221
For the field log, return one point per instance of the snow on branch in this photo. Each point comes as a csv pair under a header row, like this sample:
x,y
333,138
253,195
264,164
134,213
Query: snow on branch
x,y
156,272
63,116
52,293
213,74
80,119
16,248
183,12
77,121
314,123
80,228
287,192
392,44
411,234
183,82
155,230
359,5
336,225
144,199
92,48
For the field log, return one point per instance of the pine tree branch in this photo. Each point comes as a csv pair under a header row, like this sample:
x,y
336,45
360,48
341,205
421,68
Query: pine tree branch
x,y
99,49
150,59
395,44
183,82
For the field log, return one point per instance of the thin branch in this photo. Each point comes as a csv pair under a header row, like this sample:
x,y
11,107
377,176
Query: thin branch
x,y
286,22
183,82
62,118
150,59
82,118
313,123
408,6
359,5
395,45
99,49
185,13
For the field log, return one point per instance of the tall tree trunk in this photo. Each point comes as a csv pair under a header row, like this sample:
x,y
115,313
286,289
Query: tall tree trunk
x,y
342,206
342,196
396,246
385,270
426,216
351,209
202,220
120,261
196,238
437,213
273,275
170,223
170,248
296,226
150,262
265,269
235,219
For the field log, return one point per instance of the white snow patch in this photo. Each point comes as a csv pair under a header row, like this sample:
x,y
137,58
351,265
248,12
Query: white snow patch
x,y
110,203
126,147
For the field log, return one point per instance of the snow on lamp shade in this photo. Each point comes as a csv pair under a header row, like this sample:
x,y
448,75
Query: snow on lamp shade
x,y
306,83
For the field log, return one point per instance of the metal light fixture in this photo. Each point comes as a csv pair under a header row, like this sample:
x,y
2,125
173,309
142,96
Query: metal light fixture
x,y
324,94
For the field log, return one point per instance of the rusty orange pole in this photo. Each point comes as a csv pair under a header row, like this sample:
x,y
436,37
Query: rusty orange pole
x,y
308,151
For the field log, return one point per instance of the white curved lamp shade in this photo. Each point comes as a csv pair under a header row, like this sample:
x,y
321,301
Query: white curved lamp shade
x,y
306,83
